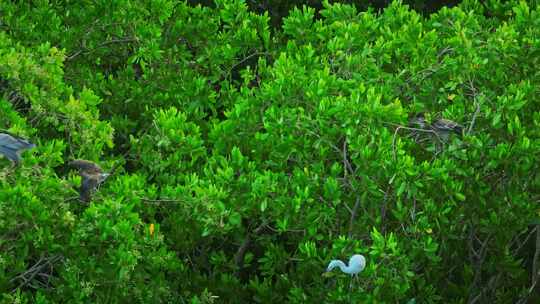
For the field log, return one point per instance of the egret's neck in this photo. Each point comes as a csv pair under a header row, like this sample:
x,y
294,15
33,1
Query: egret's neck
x,y
337,263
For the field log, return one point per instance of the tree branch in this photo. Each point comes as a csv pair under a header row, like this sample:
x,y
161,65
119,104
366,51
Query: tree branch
x,y
353,214
241,252
36,270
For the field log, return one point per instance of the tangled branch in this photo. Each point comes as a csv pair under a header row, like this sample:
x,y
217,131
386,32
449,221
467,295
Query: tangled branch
x,y
39,275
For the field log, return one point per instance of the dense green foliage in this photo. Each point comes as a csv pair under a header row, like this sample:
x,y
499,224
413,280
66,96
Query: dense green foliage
x,y
258,154
279,9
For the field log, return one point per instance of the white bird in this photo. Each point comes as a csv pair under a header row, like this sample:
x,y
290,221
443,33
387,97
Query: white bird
x,y
357,263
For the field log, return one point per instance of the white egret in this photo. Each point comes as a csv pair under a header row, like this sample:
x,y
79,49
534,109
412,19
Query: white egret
x,y
357,263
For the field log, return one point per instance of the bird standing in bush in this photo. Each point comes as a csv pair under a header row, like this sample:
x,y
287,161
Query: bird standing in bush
x,y
357,263
92,176
418,122
12,146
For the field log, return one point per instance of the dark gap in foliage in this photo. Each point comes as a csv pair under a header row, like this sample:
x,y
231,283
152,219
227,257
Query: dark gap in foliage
x,y
39,275
279,9
18,101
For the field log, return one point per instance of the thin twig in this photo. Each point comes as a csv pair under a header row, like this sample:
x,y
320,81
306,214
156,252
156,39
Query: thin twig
x,y
536,258
474,118
383,210
157,201
479,261
525,240
477,104
346,162
490,286
288,230
246,59
241,252
72,56
353,215
103,44
348,208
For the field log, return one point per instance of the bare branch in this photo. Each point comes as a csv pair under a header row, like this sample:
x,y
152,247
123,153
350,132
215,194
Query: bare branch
x,y
157,201
477,260
469,130
536,258
346,163
38,269
383,209
353,215
241,252
103,44
247,58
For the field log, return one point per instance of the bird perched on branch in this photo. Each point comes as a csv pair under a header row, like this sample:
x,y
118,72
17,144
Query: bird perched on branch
x,y
11,146
357,263
418,121
443,128
92,176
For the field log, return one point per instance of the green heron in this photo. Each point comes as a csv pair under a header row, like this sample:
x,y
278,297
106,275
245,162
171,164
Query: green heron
x,y
443,128
92,176
11,146
418,122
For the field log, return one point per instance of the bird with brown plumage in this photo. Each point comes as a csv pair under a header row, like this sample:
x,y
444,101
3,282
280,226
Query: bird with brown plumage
x,y
92,176
441,127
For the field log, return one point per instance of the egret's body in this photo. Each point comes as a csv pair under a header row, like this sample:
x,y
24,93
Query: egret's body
x,y
357,263
12,146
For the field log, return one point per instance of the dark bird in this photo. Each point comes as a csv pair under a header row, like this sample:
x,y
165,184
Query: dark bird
x,y
443,128
92,176
418,121
11,146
